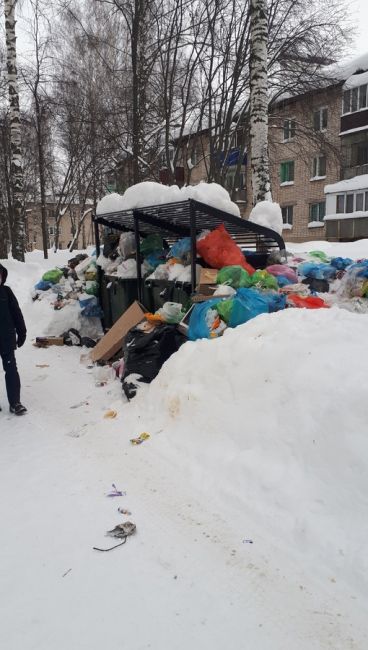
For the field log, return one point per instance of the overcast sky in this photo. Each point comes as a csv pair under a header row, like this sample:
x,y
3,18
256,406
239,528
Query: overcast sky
x,y
357,8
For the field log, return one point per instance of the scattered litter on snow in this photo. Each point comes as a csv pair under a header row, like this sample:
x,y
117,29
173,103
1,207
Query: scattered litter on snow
x,y
141,438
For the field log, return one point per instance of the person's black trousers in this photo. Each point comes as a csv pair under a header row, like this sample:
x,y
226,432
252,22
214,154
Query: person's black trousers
x,y
12,380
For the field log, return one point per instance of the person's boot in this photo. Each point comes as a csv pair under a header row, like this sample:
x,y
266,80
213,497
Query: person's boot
x,y
18,409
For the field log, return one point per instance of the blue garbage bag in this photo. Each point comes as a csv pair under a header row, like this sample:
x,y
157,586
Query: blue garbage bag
x,y
282,280
248,303
42,285
317,271
198,328
181,248
340,263
276,301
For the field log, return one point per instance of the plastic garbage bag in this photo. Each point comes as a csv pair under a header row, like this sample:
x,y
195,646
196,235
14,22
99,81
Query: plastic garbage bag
x,y
285,271
151,244
308,302
224,290
320,255
127,244
54,276
317,271
235,276
218,249
282,281
171,312
341,263
200,322
248,303
276,301
263,280
181,249
92,288
42,285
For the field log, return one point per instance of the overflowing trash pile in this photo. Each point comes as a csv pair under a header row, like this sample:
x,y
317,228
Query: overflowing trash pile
x,y
230,291
72,293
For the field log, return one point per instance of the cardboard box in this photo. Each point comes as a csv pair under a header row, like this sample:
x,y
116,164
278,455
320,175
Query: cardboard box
x,y
46,341
207,282
113,339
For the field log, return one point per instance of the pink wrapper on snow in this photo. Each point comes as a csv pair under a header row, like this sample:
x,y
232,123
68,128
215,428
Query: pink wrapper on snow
x,y
281,269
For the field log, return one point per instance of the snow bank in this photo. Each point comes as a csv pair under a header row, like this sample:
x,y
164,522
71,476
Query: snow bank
x,y
149,193
273,415
267,214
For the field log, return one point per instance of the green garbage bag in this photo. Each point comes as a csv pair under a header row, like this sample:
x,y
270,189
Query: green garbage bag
x,y
263,280
234,276
92,288
151,244
224,309
320,255
54,276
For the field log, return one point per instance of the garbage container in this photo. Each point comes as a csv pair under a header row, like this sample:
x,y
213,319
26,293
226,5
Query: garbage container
x,y
122,292
157,292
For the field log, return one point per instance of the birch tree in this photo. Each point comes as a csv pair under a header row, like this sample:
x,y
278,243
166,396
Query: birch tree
x,y
16,170
260,173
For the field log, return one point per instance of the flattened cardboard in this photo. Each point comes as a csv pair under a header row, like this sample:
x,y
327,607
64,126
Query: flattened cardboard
x,y
46,341
113,339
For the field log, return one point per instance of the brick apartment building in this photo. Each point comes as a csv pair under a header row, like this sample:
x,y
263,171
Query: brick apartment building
x,y
66,227
318,145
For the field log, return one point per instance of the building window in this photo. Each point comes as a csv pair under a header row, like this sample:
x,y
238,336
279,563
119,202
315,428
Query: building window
x,y
287,214
51,230
355,99
319,166
320,119
359,202
362,154
340,203
349,203
289,129
352,202
287,172
317,211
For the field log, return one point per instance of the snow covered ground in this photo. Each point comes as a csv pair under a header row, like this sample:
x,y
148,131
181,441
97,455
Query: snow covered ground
x,y
250,496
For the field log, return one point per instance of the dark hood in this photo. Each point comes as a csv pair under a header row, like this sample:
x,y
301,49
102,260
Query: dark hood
x,y
4,273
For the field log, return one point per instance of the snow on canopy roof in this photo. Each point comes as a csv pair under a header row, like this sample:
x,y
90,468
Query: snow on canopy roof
x,y
334,74
149,193
351,184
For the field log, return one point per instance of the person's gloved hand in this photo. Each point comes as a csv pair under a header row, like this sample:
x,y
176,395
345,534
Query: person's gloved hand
x,y
20,341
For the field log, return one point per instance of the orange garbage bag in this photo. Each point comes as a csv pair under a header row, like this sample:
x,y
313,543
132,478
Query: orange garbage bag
x,y
308,302
218,249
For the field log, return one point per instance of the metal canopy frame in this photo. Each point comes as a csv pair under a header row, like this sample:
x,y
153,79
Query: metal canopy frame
x,y
187,219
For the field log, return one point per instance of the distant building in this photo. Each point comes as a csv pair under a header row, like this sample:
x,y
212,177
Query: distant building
x,y
67,227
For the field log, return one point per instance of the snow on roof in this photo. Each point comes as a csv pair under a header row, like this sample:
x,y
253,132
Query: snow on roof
x,y
149,193
356,80
350,67
349,185
267,214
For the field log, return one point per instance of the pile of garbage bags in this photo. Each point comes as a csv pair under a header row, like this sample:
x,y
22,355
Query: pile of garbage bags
x,y
73,290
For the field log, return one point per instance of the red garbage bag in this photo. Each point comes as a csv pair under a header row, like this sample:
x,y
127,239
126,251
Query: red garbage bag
x,y
308,302
218,249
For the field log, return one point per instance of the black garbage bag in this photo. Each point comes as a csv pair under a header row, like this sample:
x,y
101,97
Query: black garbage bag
x,y
146,352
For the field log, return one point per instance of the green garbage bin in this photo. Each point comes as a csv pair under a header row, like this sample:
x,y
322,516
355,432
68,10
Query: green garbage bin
x,y
123,292
157,292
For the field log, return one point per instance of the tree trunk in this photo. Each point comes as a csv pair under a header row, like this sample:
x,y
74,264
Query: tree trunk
x,y
16,168
4,228
41,172
261,186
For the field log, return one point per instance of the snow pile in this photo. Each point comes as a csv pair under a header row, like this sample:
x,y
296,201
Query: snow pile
x,y
149,193
267,214
273,415
348,185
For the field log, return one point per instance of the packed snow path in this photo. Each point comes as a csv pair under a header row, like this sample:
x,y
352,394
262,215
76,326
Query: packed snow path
x,y
190,577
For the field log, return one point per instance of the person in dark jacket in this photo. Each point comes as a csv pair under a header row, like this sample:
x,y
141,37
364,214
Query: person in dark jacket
x,y
12,335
